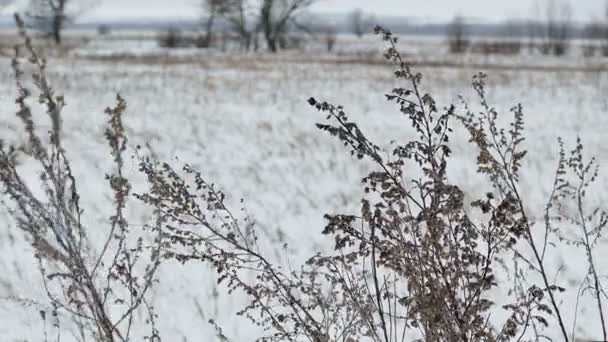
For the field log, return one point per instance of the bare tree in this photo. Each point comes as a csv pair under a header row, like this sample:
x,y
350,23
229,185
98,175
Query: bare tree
x,y
557,27
52,15
597,32
211,8
271,17
329,37
457,38
533,26
238,13
275,17
604,32
358,23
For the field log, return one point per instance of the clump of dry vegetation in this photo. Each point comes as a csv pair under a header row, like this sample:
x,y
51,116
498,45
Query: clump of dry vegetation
x,y
415,263
100,290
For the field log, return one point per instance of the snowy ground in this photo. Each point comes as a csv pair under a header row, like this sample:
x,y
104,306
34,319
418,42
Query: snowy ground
x,y
243,120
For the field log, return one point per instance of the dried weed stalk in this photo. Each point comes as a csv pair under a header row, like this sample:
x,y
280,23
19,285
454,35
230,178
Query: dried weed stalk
x,y
99,289
415,263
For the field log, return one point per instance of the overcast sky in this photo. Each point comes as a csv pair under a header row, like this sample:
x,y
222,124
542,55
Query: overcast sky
x,y
493,10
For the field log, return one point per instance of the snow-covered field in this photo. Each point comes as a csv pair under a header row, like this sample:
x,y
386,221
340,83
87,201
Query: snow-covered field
x,y
244,122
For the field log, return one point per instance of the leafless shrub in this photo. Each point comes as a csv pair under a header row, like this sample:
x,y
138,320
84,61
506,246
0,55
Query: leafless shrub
x,y
329,37
597,33
359,23
293,41
574,179
497,47
103,30
589,50
605,32
204,41
557,35
457,36
99,289
172,38
211,9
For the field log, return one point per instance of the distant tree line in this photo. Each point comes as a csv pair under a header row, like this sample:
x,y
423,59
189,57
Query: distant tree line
x,y
550,33
274,21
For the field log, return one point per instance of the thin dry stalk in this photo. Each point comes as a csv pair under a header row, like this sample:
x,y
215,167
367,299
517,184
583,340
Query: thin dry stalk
x,y
78,281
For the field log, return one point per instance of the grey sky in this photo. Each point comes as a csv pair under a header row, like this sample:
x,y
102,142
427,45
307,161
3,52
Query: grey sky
x,y
429,9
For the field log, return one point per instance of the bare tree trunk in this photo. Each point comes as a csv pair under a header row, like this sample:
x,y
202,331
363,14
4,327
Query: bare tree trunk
x,y
209,30
59,17
256,40
604,32
211,8
457,38
272,44
248,41
267,25
557,35
57,25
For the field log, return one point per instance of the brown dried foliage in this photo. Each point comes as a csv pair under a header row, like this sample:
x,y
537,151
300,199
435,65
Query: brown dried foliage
x,y
416,263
